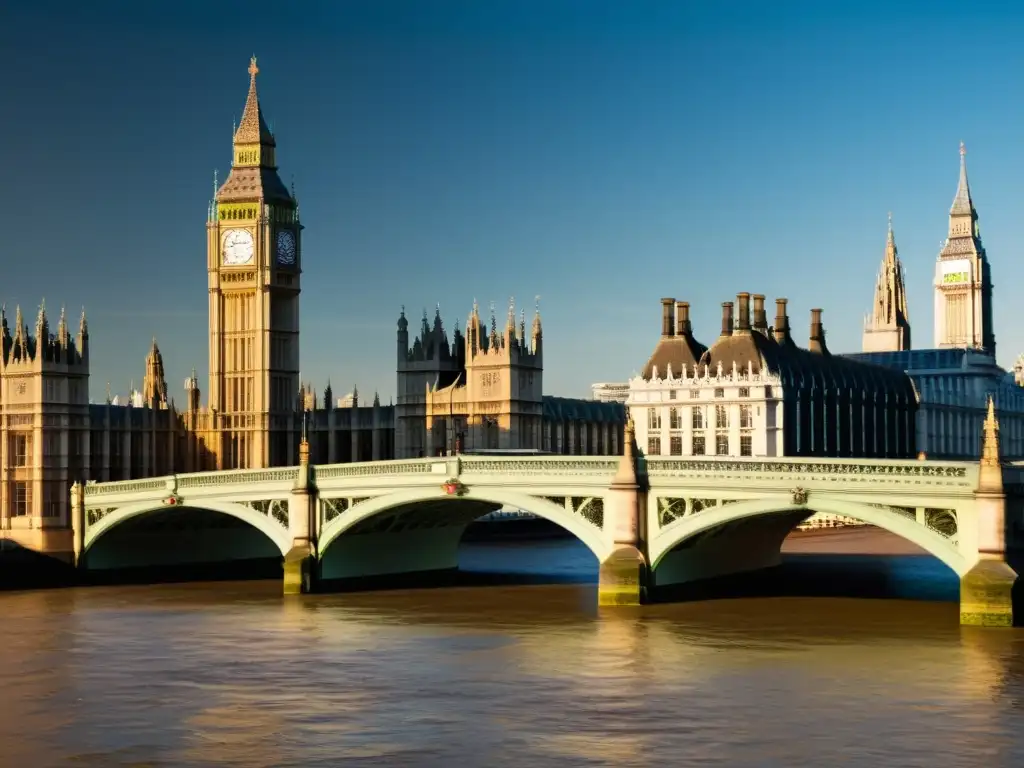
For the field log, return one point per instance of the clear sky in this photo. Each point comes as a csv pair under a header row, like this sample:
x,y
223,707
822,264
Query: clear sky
x,y
599,154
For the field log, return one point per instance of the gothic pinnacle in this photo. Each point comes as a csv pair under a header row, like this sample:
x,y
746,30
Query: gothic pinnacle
x,y
252,128
962,202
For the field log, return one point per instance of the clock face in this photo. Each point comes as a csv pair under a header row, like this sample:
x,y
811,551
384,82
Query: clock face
x,y
238,247
286,247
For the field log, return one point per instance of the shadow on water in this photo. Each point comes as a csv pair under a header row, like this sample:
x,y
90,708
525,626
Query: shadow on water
x,y
22,568
534,553
901,577
551,560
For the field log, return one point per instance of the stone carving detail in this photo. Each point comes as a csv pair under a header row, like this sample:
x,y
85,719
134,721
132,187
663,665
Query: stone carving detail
x,y
576,466
699,505
93,516
670,509
332,508
799,496
126,486
236,477
196,480
275,509
592,510
908,512
657,465
369,469
942,521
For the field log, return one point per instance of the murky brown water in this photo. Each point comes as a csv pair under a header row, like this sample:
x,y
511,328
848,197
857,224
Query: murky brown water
x,y
231,674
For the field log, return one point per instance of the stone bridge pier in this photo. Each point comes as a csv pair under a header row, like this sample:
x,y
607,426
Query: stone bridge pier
x,y
623,575
987,589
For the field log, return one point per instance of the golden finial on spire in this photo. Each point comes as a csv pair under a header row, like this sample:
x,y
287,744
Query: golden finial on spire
x,y
254,70
963,149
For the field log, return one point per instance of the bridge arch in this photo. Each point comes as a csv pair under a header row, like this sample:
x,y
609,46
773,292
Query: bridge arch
x,y
687,527
277,533
588,533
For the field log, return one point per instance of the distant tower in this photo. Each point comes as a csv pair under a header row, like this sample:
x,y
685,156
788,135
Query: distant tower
x,y
504,379
154,385
192,393
430,361
888,327
254,262
963,279
45,383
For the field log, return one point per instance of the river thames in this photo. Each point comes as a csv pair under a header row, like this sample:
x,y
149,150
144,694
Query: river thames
x,y
232,674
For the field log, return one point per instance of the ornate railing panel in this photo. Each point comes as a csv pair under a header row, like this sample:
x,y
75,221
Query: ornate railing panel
x,y
603,466
275,509
376,468
128,486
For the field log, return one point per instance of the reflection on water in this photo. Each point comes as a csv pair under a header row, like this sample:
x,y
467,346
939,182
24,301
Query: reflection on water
x,y
231,674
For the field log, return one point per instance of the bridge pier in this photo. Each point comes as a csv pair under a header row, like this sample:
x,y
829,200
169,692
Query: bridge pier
x,y
986,594
622,578
300,570
300,562
623,575
77,522
986,590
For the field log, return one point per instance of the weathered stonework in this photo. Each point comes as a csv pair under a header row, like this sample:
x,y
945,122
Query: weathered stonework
x,y
622,578
986,595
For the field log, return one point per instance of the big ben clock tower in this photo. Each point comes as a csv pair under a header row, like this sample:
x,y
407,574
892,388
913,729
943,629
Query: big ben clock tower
x,y
254,264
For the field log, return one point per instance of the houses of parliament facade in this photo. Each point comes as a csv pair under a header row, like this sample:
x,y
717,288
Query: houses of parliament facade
x,y
478,389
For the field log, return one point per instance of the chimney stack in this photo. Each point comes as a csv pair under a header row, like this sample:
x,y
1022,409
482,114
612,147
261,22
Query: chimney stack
x,y
727,318
817,340
781,322
760,318
667,322
683,327
743,306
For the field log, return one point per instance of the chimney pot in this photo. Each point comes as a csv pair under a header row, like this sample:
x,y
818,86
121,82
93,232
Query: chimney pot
x,y
743,305
683,318
781,321
817,340
760,322
667,321
727,318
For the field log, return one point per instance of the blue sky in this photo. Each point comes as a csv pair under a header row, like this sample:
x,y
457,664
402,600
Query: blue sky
x,y
599,154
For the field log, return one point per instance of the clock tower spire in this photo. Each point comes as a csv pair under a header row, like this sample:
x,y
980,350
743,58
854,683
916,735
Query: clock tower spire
x,y
963,277
253,264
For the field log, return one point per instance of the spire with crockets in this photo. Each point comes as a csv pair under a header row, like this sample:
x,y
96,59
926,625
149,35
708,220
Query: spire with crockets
x,y
889,315
252,129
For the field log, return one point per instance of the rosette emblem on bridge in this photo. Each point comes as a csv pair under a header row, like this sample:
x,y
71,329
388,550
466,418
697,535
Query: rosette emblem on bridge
x,y
650,521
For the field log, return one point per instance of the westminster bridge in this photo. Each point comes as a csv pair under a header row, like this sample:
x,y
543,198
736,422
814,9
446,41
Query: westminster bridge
x,y
650,521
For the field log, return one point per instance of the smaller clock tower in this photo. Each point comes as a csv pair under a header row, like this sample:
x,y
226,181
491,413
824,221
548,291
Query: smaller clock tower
x,y
254,267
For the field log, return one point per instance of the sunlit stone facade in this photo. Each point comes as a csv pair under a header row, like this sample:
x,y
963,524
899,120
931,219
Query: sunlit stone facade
x,y
755,393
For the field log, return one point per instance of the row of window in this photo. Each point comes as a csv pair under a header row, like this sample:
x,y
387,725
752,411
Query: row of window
x,y
673,394
19,446
675,445
675,420
21,499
